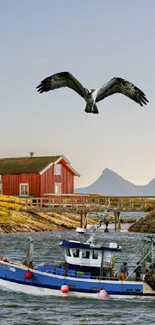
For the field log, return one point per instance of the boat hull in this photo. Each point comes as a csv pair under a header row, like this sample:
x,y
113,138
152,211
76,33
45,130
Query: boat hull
x,y
41,291
32,290
13,277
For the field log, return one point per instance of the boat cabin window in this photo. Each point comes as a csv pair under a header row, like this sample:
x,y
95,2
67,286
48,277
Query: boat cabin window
x,y
95,255
68,252
75,252
85,254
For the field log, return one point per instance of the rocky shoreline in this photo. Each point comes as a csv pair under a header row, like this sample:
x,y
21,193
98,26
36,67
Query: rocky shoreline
x,y
145,224
38,222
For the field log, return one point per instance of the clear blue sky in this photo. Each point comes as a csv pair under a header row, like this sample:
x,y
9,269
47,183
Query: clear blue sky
x,y
95,40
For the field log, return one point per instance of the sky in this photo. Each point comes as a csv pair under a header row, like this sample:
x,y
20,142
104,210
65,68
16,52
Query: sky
x,y
95,40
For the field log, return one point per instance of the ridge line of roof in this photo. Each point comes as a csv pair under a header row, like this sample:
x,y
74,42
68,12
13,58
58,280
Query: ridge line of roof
x,y
28,157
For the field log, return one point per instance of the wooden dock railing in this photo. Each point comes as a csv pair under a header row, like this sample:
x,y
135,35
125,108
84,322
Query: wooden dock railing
x,y
90,202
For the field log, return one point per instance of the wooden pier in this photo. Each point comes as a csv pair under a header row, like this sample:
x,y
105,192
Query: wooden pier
x,y
84,205
90,203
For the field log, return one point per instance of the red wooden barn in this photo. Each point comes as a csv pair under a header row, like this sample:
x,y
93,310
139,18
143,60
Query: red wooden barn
x,y
36,176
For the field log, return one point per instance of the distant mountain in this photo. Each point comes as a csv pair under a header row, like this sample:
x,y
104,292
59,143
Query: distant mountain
x,y
110,183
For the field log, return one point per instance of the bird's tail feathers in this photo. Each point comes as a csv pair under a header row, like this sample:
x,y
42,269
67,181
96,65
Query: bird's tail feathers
x,y
91,108
95,109
88,108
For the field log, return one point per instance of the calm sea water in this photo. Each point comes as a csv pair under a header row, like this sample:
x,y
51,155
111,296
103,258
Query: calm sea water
x,y
128,214
22,309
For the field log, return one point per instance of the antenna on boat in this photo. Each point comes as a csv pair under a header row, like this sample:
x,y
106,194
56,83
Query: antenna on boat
x,y
92,239
29,253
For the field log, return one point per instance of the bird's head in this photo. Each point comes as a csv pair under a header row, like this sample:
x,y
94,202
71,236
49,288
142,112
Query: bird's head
x,y
89,91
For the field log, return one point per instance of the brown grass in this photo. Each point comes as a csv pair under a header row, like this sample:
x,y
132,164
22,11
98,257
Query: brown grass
x,y
14,217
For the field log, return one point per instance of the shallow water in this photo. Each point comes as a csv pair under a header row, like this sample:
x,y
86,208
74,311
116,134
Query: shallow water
x,y
18,308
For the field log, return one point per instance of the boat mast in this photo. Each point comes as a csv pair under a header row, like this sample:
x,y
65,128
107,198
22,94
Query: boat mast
x,y
101,268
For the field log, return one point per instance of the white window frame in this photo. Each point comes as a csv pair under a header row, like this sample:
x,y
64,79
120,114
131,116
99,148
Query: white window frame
x,y
59,186
1,188
20,188
57,169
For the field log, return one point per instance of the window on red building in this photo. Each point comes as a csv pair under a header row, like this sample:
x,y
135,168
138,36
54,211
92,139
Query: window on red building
x,y
24,189
57,169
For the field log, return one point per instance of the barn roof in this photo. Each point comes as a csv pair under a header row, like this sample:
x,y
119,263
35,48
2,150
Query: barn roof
x,y
25,164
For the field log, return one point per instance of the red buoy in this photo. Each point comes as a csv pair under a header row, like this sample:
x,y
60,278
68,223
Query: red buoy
x,y
64,288
28,275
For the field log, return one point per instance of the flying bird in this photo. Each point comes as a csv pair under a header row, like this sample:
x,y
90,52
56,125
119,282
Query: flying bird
x,y
92,96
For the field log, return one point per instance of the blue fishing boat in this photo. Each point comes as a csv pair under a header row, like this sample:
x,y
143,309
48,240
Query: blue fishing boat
x,y
89,270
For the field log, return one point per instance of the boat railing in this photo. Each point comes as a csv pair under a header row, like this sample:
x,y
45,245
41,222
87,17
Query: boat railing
x,y
72,273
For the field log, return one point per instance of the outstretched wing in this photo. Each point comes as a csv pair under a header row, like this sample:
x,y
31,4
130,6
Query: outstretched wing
x,y
59,80
120,85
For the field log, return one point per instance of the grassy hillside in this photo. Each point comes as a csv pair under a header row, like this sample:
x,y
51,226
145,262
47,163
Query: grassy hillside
x,y
144,224
14,217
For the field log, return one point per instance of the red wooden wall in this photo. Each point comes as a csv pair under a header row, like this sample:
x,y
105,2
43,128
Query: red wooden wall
x,y
11,183
67,181
48,179
39,185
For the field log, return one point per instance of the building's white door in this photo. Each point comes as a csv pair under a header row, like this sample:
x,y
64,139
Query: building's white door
x,y
24,189
57,189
